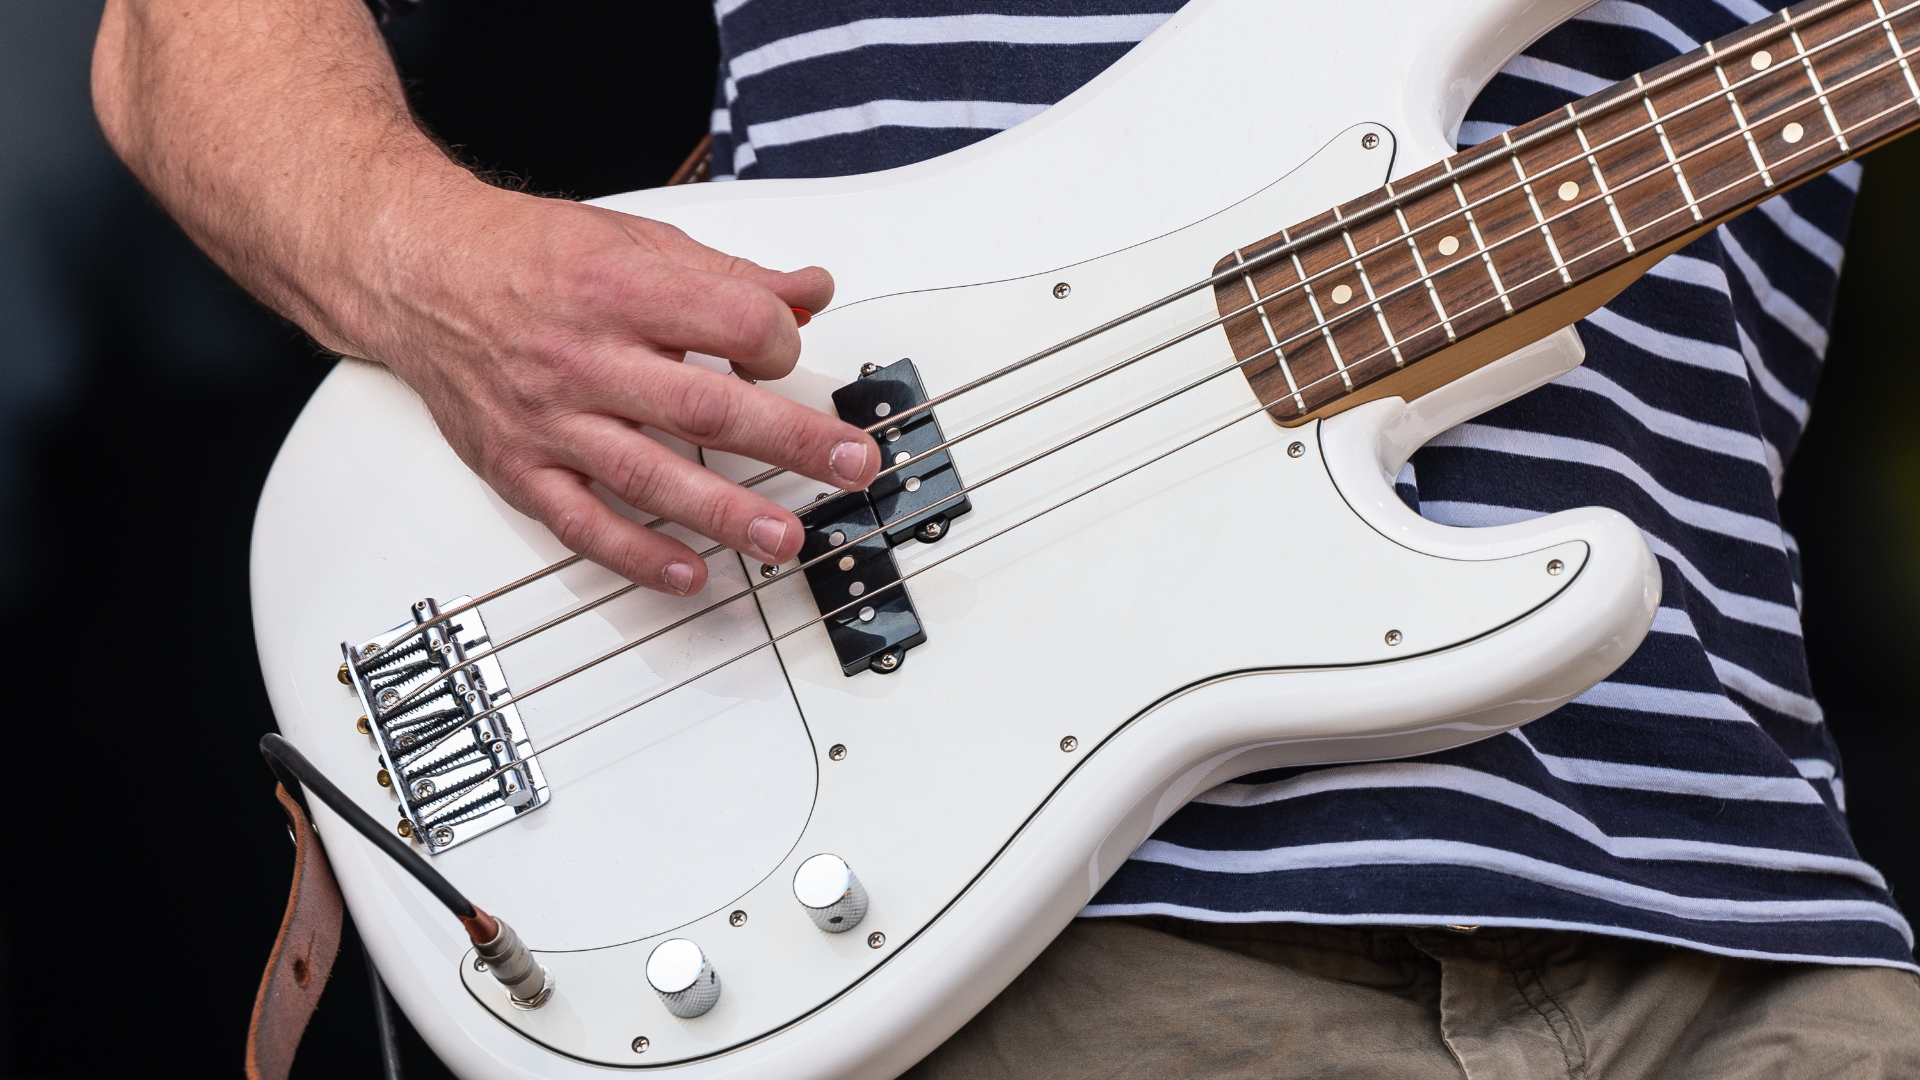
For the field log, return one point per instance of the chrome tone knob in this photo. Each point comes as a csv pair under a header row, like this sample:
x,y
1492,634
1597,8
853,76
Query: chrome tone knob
x,y
832,897
678,971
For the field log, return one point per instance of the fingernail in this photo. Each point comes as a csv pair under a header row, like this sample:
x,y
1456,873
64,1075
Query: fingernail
x,y
801,316
767,534
849,461
678,577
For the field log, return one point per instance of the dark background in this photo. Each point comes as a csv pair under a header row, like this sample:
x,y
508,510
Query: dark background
x,y
142,399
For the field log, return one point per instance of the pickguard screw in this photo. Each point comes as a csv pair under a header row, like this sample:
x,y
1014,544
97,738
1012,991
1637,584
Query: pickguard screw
x,y
1296,449
768,570
640,1044
838,751
876,939
479,964
865,370
362,726
1393,637
1062,291
442,836
344,681
383,778
1069,744
1556,566
738,918
1369,141
931,531
405,829
888,660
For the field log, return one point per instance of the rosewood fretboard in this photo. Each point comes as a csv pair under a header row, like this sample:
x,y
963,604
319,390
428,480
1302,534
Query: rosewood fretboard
x,y
1412,285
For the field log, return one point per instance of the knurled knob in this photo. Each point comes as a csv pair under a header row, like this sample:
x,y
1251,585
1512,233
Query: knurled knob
x,y
678,971
829,893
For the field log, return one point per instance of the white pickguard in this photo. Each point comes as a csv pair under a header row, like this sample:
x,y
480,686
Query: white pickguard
x,y
1221,610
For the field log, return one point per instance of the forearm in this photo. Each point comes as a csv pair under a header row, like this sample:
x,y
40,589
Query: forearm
x,y
278,136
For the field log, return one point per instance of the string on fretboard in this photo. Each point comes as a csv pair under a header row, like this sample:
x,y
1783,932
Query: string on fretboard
x,y
1336,303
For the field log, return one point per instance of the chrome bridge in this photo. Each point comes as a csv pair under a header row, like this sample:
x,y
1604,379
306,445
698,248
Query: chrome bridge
x,y
452,747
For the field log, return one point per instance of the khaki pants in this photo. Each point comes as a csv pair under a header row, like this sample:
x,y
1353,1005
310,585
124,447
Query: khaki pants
x,y
1158,999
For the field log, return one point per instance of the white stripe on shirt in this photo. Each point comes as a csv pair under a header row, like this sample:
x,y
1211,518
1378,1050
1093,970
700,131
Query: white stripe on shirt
x,y
891,112
945,30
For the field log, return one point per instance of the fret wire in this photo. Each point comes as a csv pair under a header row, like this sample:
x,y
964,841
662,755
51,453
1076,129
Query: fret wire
x,y
1360,272
1533,204
1673,160
1740,117
1600,181
1479,242
1320,320
1813,80
1426,277
1893,41
1279,356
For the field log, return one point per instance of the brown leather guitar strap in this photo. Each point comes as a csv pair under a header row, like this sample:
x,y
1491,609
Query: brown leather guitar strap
x,y
302,957
309,941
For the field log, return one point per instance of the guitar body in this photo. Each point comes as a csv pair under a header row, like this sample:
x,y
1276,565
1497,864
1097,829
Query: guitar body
x,y
1111,630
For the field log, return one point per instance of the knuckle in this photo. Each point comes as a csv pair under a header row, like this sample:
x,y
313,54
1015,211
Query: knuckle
x,y
637,477
705,408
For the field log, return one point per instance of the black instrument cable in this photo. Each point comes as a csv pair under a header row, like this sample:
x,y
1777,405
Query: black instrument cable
x,y
506,957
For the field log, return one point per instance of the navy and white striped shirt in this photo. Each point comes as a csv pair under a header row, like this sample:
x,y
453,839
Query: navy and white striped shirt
x,y
1695,796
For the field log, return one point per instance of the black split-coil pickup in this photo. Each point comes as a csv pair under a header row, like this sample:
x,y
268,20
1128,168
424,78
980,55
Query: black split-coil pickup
x,y
878,624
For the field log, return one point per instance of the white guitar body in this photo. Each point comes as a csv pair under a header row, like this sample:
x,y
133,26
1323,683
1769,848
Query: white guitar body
x,y
1223,609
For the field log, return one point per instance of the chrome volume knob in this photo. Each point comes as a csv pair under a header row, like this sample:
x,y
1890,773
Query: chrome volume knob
x,y
678,971
833,898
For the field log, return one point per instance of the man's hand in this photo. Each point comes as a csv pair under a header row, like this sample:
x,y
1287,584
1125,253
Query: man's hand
x,y
542,334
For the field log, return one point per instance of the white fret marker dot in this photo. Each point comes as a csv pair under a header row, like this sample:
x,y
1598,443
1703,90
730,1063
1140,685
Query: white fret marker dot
x,y
1449,245
1342,294
1793,133
1569,191
1762,60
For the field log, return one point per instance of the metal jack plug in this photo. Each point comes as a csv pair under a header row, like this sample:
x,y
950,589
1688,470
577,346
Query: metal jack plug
x,y
529,984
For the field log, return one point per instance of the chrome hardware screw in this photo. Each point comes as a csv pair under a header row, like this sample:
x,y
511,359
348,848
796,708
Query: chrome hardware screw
x,y
1369,141
1556,566
479,964
344,681
868,369
640,1044
1296,449
738,918
1393,637
876,939
498,748
889,661
442,836
407,741
389,696
405,829
1062,291
866,614
893,434
838,751
369,649
933,529
362,726
1069,744
423,789
768,570
846,562
383,778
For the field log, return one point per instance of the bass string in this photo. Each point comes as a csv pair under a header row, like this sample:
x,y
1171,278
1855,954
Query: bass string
x,y
1294,245
867,598
1009,470
393,709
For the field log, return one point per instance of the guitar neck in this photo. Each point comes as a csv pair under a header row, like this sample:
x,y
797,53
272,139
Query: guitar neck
x,y
1413,285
